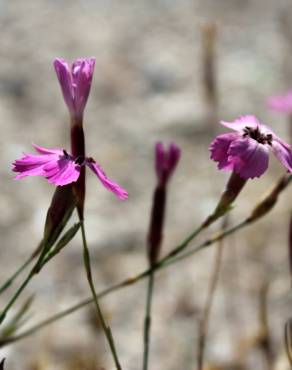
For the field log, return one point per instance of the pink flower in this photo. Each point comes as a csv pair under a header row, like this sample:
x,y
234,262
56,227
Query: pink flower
x,y
166,161
281,103
61,168
75,81
246,151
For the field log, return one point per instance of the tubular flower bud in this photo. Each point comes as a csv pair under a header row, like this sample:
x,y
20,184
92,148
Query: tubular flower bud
x,y
59,212
165,164
166,161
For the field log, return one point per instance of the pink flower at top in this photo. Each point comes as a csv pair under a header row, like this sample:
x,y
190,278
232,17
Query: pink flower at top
x,y
61,168
75,81
281,103
166,161
246,150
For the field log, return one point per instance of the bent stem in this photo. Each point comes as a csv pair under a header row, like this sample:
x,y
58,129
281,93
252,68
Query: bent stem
x,y
106,328
122,284
147,322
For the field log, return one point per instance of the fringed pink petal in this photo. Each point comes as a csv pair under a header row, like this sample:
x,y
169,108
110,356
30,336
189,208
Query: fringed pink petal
x,y
107,183
250,159
219,150
283,152
63,72
32,165
62,172
82,72
240,123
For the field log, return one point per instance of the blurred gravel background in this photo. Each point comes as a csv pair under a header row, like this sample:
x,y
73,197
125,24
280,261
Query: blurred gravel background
x,y
147,86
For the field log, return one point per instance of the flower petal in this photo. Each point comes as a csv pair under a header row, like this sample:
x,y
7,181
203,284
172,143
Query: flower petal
x,y
240,123
43,150
166,160
174,154
250,159
82,72
219,150
283,152
159,158
63,72
62,172
32,165
107,183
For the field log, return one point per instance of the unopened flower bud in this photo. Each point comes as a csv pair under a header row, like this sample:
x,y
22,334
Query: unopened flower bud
x,y
156,224
166,161
165,164
58,214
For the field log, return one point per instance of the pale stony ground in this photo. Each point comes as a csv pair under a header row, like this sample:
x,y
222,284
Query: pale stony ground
x,y
147,87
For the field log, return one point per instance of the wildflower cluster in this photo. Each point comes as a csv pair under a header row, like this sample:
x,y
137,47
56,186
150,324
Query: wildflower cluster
x,y
244,152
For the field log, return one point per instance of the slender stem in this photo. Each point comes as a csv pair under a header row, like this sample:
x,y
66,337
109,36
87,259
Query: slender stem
x,y
8,282
147,322
183,244
15,296
106,328
204,321
36,268
122,284
207,243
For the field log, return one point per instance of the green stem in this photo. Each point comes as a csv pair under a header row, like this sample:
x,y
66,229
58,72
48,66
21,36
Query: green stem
x,y
122,284
8,282
147,322
206,243
14,276
183,245
206,311
15,296
106,328
36,268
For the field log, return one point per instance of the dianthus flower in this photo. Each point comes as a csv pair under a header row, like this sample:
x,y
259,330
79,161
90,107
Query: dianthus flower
x,y
61,168
75,81
281,103
246,151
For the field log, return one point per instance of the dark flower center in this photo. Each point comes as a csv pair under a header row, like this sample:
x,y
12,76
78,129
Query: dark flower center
x,y
254,133
65,153
80,160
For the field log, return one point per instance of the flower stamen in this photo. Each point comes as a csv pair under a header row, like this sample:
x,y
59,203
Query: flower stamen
x,y
65,153
254,133
80,160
